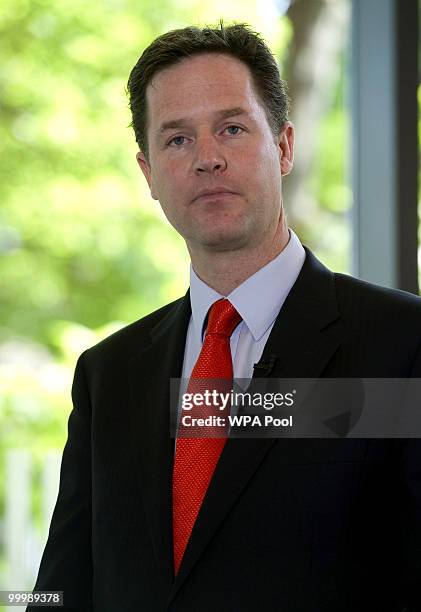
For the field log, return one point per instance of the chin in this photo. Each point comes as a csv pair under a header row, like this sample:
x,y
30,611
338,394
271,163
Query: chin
x,y
224,241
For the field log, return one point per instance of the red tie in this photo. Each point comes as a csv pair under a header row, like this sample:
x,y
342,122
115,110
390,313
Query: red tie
x,y
196,458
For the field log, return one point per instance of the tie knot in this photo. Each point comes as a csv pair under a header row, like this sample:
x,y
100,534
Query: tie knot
x,y
223,318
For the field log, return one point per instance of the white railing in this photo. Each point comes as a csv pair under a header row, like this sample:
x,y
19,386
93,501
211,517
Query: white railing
x,y
23,543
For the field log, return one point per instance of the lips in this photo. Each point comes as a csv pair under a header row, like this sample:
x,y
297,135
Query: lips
x,y
208,194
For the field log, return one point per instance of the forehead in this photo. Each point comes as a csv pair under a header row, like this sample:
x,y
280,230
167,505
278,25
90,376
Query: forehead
x,y
198,84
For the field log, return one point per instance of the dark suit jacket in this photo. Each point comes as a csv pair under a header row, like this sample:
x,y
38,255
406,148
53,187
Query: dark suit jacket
x,y
288,525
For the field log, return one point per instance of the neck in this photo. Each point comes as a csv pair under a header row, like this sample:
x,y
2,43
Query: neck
x,y
226,270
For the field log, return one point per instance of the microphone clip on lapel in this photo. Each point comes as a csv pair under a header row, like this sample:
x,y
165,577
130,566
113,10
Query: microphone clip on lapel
x,y
265,366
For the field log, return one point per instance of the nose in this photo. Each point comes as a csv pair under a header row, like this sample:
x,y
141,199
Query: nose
x,y
209,157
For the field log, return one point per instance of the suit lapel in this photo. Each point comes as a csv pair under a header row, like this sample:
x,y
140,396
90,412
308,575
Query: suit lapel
x,y
149,374
305,336
307,330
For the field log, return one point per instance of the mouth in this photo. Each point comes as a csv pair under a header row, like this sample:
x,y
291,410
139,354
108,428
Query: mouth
x,y
209,195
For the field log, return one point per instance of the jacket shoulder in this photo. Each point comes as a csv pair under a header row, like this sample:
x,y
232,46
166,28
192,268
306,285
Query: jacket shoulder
x,y
375,309
133,337
353,290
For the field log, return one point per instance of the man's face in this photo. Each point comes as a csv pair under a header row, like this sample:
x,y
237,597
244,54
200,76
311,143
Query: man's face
x,y
214,164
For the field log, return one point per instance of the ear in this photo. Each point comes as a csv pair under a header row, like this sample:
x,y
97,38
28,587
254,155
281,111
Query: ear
x,y
286,148
146,169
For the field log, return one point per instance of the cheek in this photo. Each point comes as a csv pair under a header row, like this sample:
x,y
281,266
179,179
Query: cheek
x,y
167,179
169,191
261,174
261,161
271,170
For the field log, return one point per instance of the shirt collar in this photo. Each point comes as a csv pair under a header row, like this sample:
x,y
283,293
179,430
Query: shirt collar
x,y
259,298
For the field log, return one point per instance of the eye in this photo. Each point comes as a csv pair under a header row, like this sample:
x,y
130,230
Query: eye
x,y
233,130
177,140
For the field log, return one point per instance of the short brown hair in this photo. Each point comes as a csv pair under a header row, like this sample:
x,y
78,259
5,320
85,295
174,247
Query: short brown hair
x,y
237,40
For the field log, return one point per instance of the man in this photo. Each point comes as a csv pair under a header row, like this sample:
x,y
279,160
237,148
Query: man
x,y
295,525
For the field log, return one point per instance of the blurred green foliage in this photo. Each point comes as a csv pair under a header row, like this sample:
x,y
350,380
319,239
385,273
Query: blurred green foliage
x,y
80,238
82,243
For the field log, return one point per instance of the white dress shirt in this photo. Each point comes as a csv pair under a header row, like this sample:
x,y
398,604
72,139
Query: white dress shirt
x,y
258,300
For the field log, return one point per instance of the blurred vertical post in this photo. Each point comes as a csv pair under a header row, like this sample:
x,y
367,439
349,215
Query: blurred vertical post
x,y
17,517
384,80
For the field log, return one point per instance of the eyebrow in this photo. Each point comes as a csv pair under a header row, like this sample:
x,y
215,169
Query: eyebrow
x,y
221,114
